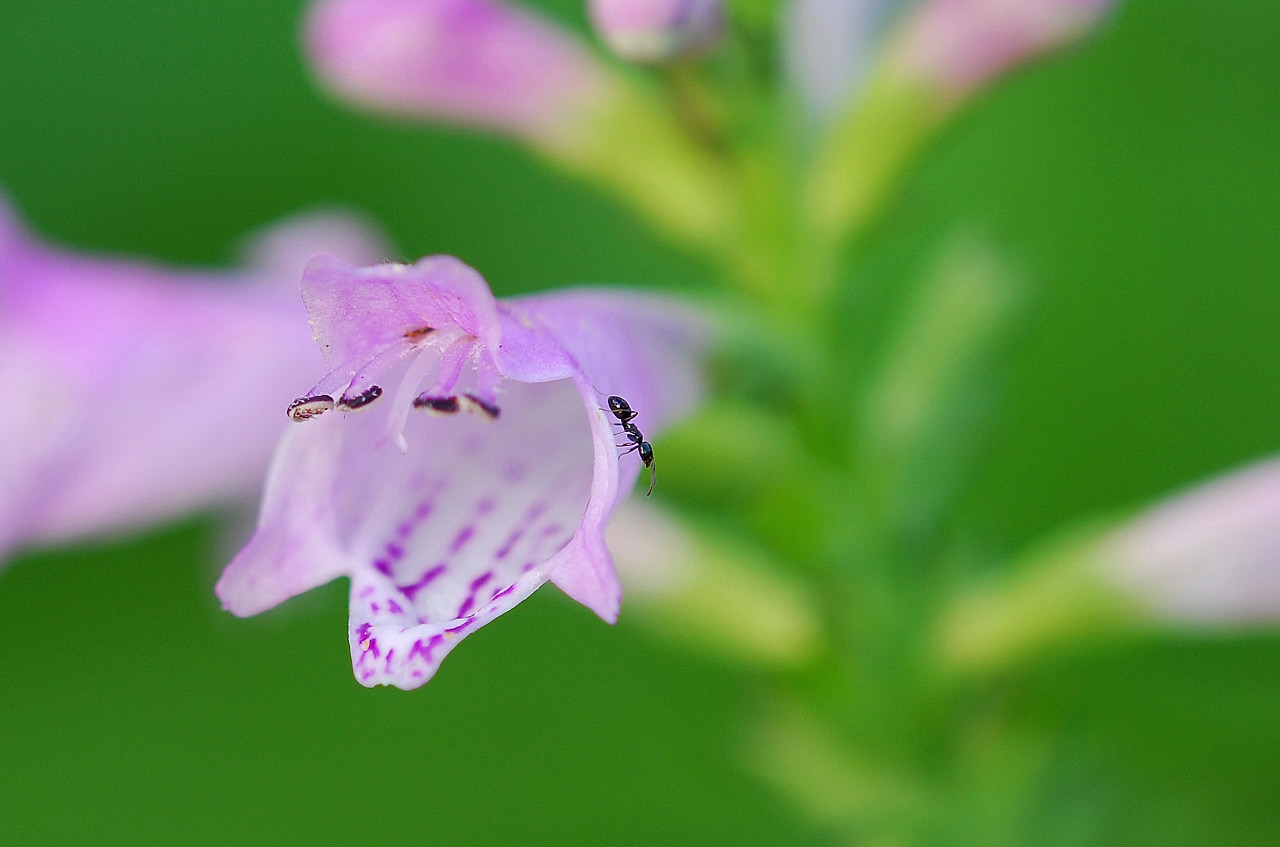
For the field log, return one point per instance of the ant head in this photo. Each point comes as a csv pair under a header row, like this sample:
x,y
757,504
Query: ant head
x,y
617,404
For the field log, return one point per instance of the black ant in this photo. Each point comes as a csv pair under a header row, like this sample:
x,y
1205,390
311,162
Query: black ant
x,y
625,414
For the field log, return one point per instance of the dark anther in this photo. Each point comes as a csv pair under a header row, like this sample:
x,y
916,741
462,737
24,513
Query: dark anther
x,y
474,404
305,408
364,398
438,405
418,332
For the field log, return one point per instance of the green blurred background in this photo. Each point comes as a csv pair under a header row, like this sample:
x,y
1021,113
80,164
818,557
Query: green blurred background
x,y
1136,180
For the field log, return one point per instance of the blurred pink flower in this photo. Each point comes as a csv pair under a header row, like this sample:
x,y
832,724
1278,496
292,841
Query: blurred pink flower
x,y
477,62
960,45
491,467
1209,555
134,393
832,48
658,30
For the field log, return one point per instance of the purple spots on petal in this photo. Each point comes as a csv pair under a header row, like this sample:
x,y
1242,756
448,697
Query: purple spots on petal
x,y
387,665
467,603
374,608
512,539
503,592
393,607
420,513
469,622
436,641
513,471
425,651
366,675
479,581
417,674
528,566
550,529
463,536
366,591
394,550
413,588
485,506
371,646
535,511
362,633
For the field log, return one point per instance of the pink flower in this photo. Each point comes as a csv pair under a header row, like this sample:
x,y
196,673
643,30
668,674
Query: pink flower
x,y
1209,555
959,45
134,393
832,49
458,454
658,30
478,62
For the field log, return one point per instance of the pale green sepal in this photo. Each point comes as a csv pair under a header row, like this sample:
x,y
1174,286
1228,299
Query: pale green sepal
x,y
925,402
633,147
1056,599
836,787
861,153
708,592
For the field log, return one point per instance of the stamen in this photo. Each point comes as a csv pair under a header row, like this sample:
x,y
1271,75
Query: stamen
x,y
305,408
364,398
362,389
418,333
437,405
402,398
452,361
472,403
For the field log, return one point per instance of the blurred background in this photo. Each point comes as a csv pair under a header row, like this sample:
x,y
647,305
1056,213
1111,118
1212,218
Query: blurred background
x,y
1136,182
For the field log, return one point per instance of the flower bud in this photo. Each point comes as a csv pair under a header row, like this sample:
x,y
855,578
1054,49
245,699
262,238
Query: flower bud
x,y
959,45
654,31
1211,555
475,62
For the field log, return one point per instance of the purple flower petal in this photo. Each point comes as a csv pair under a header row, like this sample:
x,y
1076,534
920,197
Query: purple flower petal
x,y
488,468
134,393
